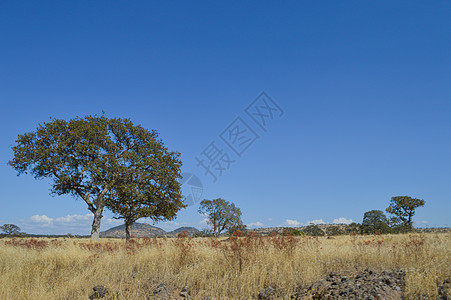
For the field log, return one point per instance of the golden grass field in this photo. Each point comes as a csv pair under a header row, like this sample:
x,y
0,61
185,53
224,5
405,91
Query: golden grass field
x,y
235,269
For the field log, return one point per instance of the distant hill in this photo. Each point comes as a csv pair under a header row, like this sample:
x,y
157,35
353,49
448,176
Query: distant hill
x,y
138,230
190,230
145,230
333,229
434,230
326,229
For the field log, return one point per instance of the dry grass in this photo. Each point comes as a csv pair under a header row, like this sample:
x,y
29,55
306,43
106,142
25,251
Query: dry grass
x,y
237,269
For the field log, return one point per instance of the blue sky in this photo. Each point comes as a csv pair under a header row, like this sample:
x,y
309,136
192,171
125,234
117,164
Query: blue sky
x,y
364,88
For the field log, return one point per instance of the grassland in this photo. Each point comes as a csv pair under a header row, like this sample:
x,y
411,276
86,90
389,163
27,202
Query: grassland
x,y
235,269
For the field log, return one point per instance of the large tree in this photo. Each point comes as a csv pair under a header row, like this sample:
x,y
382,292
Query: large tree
x,y
222,215
85,157
145,192
375,221
403,207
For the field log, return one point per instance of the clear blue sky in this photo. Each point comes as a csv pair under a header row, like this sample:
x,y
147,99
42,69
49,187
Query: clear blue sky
x,y
364,86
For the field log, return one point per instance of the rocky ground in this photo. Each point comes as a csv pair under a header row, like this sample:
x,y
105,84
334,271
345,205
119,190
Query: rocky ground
x,y
387,285
365,285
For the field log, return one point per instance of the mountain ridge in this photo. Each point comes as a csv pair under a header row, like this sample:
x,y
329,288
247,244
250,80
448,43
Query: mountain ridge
x,y
145,230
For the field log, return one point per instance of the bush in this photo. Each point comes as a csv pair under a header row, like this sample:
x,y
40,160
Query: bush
x,y
314,230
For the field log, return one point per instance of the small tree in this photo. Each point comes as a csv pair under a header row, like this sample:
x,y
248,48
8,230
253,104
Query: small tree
x,y
222,215
294,232
313,230
334,230
403,207
10,229
353,228
375,221
237,227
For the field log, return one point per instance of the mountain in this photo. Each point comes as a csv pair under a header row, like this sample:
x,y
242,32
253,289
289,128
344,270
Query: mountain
x,y
145,230
190,230
138,230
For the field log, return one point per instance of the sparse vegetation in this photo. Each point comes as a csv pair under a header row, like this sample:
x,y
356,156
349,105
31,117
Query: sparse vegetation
x,y
314,230
69,268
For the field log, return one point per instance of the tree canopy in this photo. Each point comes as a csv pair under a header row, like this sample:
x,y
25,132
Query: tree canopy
x,y
403,208
10,229
222,216
145,192
375,221
88,157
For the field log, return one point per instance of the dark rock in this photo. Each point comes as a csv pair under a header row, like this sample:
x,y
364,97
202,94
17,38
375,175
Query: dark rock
x,y
267,293
444,290
99,292
366,285
185,293
160,288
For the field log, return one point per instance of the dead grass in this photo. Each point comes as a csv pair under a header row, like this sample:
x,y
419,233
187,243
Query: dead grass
x,y
236,269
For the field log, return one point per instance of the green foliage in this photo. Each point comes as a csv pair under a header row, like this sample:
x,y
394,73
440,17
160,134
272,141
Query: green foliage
x,y
149,187
314,230
353,228
334,230
295,232
375,221
222,216
78,154
398,226
10,230
403,209
95,157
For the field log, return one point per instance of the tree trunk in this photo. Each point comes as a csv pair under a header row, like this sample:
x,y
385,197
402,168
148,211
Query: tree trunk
x,y
95,231
97,211
128,228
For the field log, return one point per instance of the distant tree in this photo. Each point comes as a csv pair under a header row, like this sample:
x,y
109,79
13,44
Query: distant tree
x,y
294,232
203,233
313,230
85,157
145,192
238,227
334,230
398,226
222,216
403,208
375,221
353,228
10,229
